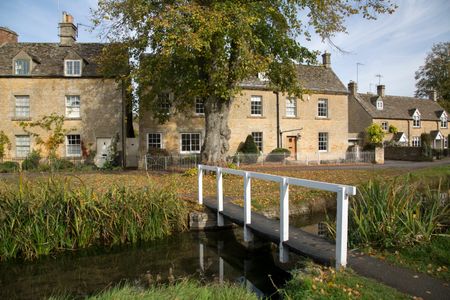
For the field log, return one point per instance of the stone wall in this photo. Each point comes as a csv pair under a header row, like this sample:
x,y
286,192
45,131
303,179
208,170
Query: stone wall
x,y
403,153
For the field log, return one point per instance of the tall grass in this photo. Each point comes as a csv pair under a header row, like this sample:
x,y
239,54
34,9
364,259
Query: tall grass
x,y
44,217
397,213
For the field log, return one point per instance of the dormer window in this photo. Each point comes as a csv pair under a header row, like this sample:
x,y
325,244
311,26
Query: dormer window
x,y
263,76
22,67
72,67
444,121
380,104
416,119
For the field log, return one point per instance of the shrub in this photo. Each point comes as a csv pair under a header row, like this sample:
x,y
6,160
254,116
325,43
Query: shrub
x,y
31,162
9,167
248,152
425,140
157,152
375,134
278,154
61,164
190,172
393,129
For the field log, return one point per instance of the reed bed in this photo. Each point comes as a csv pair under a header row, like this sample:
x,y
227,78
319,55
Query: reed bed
x,y
45,217
398,213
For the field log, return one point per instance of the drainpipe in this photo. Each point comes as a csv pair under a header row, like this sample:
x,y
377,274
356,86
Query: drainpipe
x,y
409,133
278,119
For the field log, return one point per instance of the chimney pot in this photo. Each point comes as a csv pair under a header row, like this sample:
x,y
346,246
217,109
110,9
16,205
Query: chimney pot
x,y
67,31
432,95
326,60
352,88
381,90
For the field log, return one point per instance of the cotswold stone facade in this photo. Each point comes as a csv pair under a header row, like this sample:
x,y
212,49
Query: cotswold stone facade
x,y
410,116
38,79
321,114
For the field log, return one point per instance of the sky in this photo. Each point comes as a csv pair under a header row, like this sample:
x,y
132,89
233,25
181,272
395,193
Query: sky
x,y
394,46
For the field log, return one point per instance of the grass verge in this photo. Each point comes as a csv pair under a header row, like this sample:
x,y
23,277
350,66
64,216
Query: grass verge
x,y
315,282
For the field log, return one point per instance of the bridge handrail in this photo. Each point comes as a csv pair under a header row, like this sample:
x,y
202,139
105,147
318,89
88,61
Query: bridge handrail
x,y
343,192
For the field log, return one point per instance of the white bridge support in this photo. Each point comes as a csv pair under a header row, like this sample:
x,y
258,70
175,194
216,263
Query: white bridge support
x,y
342,191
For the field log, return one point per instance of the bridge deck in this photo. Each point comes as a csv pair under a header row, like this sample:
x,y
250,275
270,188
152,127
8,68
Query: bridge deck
x,y
323,251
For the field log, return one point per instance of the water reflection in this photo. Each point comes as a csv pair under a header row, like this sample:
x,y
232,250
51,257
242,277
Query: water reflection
x,y
209,257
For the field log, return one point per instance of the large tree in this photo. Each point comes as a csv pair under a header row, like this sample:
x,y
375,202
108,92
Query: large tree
x,y
435,74
203,49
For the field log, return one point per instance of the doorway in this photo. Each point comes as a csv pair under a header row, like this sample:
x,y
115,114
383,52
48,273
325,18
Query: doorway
x,y
103,147
292,145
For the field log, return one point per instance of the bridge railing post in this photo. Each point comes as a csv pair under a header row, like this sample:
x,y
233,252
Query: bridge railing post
x,y
284,219
341,228
200,184
219,177
248,236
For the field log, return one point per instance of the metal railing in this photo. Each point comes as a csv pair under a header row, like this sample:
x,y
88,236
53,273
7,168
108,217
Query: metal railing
x,y
342,191
171,163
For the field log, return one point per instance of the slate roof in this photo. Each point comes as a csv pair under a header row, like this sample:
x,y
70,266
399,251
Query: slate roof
x,y
49,57
399,107
313,78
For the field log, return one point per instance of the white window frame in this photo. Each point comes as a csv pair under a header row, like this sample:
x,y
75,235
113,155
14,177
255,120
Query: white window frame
x,y
385,126
258,138
291,107
22,106
415,141
190,134
24,145
69,67
322,108
73,111
416,120
323,143
199,107
160,140
444,121
445,142
380,105
18,70
256,104
69,151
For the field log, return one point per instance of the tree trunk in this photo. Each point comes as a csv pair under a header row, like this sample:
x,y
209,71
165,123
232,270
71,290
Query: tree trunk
x,y
217,132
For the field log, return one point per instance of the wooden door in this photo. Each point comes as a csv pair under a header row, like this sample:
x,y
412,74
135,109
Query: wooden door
x,y
292,145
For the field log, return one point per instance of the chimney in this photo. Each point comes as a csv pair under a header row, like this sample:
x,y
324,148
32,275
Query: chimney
x,y
67,31
380,90
326,60
432,95
7,36
352,87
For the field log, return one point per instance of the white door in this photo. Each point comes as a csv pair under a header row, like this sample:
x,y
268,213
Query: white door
x,y
132,152
103,146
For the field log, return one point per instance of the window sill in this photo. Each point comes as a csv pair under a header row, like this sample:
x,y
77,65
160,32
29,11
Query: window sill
x,y
72,119
199,115
196,152
322,118
294,118
21,119
323,151
256,117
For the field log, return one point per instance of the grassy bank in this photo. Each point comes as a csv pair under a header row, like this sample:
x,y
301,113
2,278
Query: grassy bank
x,y
187,289
47,216
315,282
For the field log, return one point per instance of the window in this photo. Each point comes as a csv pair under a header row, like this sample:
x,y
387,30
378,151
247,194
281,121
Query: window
x,y
416,120
322,108
190,143
73,145
258,138
256,106
22,107
384,126
22,145
444,121
72,68
416,141
199,106
73,107
164,103
323,141
291,107
154,141
22,67
379,105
